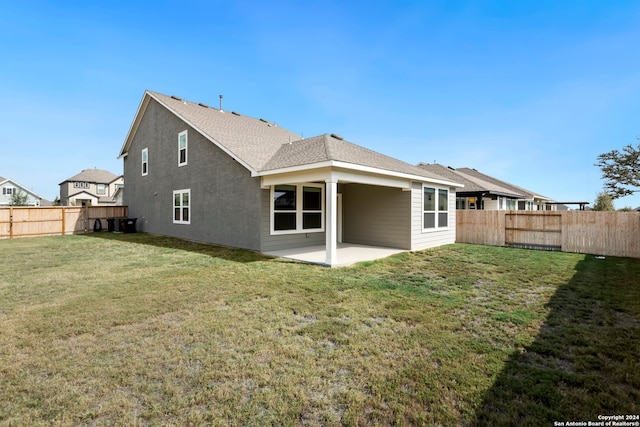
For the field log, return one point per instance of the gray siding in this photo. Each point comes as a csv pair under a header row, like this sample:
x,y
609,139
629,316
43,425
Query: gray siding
x,y
376,216
64,194
428,239
283,241
225,199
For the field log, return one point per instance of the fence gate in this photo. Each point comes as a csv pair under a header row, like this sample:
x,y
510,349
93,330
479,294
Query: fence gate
x,y
534,230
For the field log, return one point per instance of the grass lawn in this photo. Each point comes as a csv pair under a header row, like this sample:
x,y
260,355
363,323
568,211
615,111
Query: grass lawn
x,y
115,329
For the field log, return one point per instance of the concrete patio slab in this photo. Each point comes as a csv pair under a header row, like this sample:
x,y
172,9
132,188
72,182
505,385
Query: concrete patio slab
x,y
348,254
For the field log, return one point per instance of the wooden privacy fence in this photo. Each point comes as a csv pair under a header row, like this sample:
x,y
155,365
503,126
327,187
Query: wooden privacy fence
x,y
29,221
589,232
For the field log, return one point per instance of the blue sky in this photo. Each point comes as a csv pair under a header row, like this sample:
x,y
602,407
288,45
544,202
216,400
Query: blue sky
x,y
527,91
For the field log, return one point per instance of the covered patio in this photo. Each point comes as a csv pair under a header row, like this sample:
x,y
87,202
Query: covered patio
x,y
347,254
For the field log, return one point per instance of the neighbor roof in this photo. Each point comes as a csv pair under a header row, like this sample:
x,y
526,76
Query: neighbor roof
x,y
478,175
263,146
471,184
93,175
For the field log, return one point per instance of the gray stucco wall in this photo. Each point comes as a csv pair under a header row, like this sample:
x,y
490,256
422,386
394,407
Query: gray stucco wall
x,y
283,241
225,199
377,216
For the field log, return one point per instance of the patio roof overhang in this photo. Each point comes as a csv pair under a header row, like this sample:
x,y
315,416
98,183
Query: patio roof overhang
x,y
333,172
346,173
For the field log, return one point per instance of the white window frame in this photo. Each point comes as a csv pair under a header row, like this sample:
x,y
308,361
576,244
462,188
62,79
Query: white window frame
x,y
181,206
104,189
144,161
299,210
436,210
186,148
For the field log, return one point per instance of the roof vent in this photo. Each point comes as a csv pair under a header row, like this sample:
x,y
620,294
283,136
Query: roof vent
x,y
263,120
336,136
203,105
233,112
176,98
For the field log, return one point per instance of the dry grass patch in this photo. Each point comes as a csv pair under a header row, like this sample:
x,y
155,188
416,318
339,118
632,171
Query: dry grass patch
x,y
145,330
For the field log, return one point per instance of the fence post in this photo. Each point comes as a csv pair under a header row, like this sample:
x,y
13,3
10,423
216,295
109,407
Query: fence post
x,y
10,222
64,215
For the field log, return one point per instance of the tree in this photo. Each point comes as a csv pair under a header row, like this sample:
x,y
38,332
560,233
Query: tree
x,y
621,170
19,198
604,202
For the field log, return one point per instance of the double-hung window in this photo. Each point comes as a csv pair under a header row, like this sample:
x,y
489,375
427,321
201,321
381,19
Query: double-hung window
x,y
182,148
8,191
100,189
435,208
182,206
145,161
297,208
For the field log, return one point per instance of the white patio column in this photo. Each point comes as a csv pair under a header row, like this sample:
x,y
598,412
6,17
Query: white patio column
x,y
331,222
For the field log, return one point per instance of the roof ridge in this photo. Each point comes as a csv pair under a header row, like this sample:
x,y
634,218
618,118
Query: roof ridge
x,y
327,139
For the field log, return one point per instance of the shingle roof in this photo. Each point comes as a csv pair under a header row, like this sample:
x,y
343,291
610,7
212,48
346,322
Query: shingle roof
x,y
93,175
254,141
264,146
1,179
478,175
471,184
328,147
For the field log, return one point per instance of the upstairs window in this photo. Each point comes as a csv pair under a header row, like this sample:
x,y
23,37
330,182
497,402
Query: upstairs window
x,y
8,191
297,208
435,208
182,148
145,161
181,206
100,189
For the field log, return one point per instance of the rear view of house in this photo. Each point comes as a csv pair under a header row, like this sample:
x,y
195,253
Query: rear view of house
x,y
210,175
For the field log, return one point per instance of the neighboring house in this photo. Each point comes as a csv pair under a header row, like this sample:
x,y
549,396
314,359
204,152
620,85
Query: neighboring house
x,y
91,187
9,187
214,176
485,192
